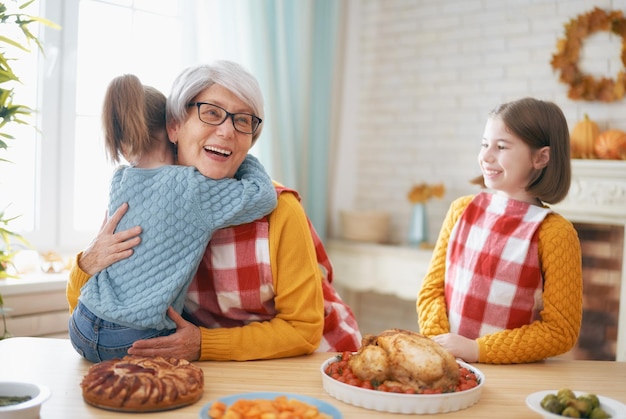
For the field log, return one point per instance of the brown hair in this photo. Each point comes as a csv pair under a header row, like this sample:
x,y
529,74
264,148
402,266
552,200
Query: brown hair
x,y
539,124
132,115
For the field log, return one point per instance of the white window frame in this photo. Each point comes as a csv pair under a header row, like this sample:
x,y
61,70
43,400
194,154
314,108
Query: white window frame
x,y
56,112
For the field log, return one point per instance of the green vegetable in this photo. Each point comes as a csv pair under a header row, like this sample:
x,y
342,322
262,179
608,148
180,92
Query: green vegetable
x,y
551,403
565,393
570,412
566,404
583,405
594,399
599,413
9,400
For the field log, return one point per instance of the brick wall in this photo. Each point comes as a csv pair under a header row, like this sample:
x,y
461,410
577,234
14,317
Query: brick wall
x,y
603,247
420,77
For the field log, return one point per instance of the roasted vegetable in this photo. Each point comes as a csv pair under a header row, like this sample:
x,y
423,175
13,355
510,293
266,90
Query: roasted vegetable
x,y
551,403
566,404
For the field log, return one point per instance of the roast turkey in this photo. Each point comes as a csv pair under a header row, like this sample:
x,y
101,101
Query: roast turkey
x,y
405,358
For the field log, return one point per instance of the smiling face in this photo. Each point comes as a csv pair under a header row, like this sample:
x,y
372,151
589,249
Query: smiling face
x,y
508,164
216,151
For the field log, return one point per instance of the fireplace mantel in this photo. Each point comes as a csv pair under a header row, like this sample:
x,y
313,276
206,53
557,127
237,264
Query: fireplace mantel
x,y
598,192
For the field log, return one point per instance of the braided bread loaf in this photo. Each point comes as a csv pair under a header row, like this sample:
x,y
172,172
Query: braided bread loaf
x,y
143,384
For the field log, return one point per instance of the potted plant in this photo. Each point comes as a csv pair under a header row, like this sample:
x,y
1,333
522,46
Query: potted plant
x,y
12,17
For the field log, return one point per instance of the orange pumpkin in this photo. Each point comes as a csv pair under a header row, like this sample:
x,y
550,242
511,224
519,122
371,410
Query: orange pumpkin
x,y
611,145
583,137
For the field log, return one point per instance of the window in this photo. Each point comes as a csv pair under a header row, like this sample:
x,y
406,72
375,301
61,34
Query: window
x,y
146,38
62,191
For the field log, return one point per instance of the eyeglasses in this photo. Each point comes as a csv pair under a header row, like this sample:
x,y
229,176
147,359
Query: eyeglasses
x,y
215,115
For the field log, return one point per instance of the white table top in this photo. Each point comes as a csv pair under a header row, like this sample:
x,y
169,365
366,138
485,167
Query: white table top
x,y
54,363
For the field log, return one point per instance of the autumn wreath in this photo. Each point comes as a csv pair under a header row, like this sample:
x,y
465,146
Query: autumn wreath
x,y
565,60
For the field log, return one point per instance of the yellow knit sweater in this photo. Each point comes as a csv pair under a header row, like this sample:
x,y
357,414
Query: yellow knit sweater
x,y
561,266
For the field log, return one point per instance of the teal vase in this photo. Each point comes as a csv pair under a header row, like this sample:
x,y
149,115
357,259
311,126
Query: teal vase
x,y
418,231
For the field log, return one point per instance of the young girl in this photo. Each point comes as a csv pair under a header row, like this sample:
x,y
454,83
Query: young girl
x,y
505,281
178,209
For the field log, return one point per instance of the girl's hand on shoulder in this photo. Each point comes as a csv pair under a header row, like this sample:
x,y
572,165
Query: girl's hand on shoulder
x,y
109,247
183,344
459,346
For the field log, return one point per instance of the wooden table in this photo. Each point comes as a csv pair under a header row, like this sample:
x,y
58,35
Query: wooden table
x,y
54,363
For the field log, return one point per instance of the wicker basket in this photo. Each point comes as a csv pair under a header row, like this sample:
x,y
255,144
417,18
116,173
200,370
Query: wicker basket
x,y
366,226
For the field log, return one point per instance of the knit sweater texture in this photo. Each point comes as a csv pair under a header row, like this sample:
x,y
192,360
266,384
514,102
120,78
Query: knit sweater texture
x,y
178,209
558,329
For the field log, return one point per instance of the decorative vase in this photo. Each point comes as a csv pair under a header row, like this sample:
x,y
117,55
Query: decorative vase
x,y
418,231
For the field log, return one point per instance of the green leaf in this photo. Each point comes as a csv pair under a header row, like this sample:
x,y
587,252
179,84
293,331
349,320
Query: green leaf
x,y
46,22
25,5
13,113
14,43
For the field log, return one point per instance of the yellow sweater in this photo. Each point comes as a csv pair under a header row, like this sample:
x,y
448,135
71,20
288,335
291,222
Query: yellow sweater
x,y
561,266
298,326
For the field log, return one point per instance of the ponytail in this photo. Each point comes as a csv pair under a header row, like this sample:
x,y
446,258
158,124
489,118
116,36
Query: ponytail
x,y
124,119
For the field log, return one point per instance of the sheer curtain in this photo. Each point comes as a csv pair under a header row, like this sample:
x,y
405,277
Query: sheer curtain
x,y
291,47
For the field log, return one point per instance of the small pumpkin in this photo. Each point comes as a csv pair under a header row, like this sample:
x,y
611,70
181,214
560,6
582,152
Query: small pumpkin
x,y
583,137
611,145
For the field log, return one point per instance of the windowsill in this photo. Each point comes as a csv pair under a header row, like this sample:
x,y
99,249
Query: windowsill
x,y
33,282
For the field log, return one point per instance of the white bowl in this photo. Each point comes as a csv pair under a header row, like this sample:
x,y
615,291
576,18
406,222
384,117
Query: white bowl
x,y
614,408
403,403
25,410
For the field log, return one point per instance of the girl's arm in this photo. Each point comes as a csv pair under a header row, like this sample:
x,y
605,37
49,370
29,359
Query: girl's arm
x,y
557,331
107,248
228,202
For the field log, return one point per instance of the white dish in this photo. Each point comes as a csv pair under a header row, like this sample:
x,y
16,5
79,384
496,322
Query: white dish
x,y
613,407
403,403
24,410
322,406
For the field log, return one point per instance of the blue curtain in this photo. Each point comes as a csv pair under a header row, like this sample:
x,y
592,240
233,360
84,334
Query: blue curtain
x,y
293,50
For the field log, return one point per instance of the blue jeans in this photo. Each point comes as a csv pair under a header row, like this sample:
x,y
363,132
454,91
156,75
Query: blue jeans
x,y
98,340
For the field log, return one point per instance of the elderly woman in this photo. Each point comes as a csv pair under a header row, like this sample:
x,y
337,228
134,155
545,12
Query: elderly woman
x,y
263,289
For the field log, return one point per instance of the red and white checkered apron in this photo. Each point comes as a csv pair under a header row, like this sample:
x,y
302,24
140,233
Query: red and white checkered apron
x,y
234,286
493,278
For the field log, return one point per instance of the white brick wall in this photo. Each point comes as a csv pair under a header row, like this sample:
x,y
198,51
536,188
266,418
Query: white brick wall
x,y
420,77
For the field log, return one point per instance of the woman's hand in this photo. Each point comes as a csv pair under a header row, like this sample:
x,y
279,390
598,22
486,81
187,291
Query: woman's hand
x,y
459,346
109,247
183,344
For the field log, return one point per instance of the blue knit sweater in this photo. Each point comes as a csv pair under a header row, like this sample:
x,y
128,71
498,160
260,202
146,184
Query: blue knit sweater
x,y
178,209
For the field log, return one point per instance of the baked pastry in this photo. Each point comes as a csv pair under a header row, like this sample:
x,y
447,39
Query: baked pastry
x,y
143,384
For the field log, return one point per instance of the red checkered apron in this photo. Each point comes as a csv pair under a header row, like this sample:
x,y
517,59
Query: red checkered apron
x,y
493,278
234,286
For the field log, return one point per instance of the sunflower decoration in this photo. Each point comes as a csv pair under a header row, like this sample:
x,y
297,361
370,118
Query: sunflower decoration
x,y
583,86
423,192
